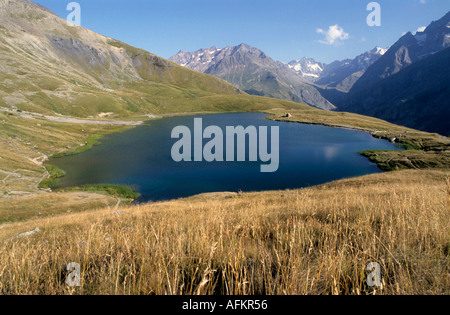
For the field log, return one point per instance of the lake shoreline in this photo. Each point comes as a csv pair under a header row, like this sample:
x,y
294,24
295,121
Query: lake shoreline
x,y
260,118
377,157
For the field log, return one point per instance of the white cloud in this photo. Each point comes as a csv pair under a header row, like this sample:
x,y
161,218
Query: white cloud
x,y
334,35
423,1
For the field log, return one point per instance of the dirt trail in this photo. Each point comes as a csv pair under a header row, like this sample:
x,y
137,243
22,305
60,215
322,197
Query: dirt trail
x,y
63,119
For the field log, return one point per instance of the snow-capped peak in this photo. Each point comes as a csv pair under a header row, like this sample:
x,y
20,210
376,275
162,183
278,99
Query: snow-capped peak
x,y
379,51
308,68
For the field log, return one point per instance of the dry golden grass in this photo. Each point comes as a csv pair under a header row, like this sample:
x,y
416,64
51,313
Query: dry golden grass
x,y
310,241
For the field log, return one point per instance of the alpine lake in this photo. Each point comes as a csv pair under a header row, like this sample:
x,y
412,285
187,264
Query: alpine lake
x,y
142,158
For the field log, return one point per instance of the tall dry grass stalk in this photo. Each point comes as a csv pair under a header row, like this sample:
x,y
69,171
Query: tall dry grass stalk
x,y
310,241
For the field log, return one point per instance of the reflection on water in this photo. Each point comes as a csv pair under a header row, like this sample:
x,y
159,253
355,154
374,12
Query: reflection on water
x,y
330,152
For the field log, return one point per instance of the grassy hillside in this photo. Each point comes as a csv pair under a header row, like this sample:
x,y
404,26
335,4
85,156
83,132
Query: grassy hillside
x,y
49,67
310,241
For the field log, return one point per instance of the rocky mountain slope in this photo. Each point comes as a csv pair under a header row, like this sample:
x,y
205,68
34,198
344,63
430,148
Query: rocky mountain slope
x,y
254,72
410,83
340,74
49,67
417,96
406,51
343,74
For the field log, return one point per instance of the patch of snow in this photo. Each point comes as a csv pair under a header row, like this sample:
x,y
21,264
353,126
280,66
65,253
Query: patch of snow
x,y
315,67
421,29
381,51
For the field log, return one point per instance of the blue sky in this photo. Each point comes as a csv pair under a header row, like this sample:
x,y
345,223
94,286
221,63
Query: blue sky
x,y
284,29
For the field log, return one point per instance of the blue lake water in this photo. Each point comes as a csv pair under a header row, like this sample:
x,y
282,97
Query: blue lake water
x,y
141,157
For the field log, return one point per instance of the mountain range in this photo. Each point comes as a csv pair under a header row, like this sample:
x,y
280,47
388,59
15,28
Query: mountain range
x,y
340,74
405,84
254,72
